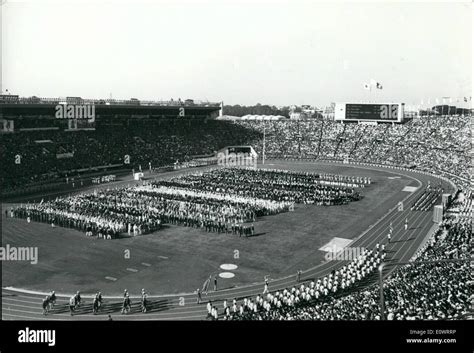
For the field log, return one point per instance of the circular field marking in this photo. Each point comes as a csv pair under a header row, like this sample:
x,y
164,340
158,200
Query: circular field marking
x,y
226,275
229,267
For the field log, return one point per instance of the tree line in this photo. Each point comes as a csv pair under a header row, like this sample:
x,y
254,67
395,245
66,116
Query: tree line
x,y
258,109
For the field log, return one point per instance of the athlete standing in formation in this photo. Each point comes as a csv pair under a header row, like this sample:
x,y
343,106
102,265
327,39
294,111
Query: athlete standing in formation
x,y
97,303
144,305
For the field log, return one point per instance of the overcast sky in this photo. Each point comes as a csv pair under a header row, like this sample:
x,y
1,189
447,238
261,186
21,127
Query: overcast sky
x,y
239,52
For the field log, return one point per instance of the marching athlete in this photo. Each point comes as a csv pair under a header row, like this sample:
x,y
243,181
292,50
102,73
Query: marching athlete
x,y
144,305
52,299
199,297
46,305
126,305
77,300
96,304
265,287
72,304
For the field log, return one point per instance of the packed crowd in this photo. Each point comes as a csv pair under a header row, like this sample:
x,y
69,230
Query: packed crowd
x,y
431,143
438,144
155,142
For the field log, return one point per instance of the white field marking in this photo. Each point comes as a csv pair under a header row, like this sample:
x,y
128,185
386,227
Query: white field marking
x,y
396,177
132,269
228,267
226,275
163,257
335,243
111,278
146,264
410,188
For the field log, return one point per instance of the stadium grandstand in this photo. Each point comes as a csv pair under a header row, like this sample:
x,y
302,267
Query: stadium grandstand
x,y
50,149
41,152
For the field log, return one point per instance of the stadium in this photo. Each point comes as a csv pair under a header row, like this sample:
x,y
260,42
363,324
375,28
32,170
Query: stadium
x,y
354,215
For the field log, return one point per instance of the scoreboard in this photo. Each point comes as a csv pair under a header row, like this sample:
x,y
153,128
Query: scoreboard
x,y
374,112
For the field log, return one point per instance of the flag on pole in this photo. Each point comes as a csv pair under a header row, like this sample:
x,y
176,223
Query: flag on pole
x,y
367,86
378,86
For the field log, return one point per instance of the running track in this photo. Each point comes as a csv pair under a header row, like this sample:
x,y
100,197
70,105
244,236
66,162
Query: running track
x,y
26,305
